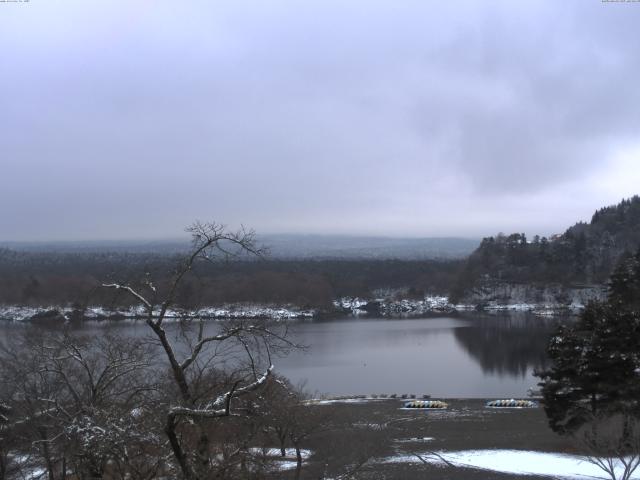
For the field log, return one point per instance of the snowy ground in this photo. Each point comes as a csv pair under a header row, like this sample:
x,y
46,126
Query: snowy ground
x,y
517,462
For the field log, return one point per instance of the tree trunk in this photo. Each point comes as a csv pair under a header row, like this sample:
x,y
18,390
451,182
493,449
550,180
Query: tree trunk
x,y
203,452
626,433
3,465
178,373
282,437
298,462
243,462
45,453
96,472
170,430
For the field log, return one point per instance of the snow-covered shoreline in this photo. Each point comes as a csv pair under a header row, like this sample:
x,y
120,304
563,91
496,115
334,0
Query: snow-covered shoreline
x,y
61,314
441,304
385,306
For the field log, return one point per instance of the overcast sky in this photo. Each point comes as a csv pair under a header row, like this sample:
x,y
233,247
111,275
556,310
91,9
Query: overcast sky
x,y
131,119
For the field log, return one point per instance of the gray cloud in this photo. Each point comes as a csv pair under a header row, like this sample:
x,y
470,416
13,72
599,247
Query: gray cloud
x,y
419,118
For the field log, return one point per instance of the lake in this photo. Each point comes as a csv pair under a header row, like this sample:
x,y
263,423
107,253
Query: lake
x,y
462,355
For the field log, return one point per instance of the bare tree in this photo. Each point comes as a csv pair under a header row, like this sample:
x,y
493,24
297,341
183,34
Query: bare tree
x,y
342,445
252,342
290,419
71,400
612,443
4,441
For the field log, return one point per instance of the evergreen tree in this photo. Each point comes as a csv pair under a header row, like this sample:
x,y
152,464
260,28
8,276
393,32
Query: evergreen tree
x,y
596,362
624,286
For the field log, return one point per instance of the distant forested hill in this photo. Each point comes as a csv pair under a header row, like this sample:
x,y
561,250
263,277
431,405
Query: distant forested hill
x,y
40,278
585,254
280,246
305,270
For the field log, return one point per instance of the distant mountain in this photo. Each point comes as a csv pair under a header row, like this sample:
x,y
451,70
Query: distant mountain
x,y
283,246
585,254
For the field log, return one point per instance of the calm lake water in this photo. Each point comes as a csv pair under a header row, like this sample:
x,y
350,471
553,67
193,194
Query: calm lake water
x,y
467,355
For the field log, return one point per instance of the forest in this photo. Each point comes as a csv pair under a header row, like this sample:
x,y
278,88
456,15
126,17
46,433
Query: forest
x,y
585,253
49,278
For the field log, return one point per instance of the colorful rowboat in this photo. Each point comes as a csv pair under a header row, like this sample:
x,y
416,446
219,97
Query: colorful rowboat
x,y
511,403
433,404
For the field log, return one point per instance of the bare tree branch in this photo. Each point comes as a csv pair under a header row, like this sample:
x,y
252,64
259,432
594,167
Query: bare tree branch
x,y
131,291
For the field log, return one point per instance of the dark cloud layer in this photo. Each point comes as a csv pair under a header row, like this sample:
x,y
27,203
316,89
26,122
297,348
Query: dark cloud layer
x,y
131,119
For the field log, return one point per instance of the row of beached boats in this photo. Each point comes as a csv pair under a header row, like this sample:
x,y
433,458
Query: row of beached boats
x,y
438,404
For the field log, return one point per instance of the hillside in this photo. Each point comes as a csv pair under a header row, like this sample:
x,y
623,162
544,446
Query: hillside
x,y
581,258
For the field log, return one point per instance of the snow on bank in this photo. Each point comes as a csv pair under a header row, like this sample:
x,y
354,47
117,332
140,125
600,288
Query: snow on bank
x,y
275,452
348,305
414,440
288,462
333,401
441,304
29,469
17,313
227,311
387,306
517,462
255,312
54,313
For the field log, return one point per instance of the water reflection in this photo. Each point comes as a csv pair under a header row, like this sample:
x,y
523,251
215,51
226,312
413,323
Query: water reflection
x,y
511,344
